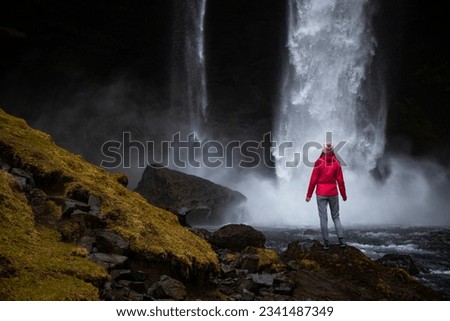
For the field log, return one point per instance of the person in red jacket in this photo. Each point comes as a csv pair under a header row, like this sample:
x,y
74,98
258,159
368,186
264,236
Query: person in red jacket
x,y
327,173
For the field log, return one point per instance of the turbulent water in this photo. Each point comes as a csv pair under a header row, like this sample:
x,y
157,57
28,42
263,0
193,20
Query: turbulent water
x,y
428,247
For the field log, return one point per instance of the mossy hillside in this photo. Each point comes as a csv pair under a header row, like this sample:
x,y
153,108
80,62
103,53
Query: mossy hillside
x,y
34,264
152,232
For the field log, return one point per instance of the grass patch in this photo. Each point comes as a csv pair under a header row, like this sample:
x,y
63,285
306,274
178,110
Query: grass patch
x,y
151,231
35,264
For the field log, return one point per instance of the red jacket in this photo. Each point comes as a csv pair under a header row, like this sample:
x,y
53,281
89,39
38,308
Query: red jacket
x,y
326,173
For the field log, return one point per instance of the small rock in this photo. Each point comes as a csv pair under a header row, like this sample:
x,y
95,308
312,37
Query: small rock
x,y
18,172
403,261
94,201
237,237
87,242
236,297
250,262
298,248
227,270
71,205
247,284
138,287
168,288
22,181
247,295
109,261
263,279
88,220
110,242
182,214
201,232
134,276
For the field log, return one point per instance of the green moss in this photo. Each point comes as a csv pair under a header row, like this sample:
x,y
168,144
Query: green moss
x,y
151,231
309,265
268,258
40,267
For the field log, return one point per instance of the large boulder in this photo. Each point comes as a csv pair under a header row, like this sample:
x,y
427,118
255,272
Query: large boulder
x,y
197,201
348,274
237,237
403,261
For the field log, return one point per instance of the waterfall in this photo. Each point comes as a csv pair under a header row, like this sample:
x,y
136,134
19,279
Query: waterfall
x,y
330,47
188,86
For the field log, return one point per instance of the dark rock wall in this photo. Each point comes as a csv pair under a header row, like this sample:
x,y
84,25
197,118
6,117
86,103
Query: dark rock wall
x,y
109,62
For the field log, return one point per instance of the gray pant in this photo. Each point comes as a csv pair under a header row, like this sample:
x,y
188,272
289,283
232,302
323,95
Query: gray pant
x,y
322,204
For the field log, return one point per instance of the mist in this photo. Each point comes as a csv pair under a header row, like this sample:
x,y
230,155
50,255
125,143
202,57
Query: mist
x,y
414,193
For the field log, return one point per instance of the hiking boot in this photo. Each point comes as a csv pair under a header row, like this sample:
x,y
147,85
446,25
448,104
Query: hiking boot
x,y
341,242
326,245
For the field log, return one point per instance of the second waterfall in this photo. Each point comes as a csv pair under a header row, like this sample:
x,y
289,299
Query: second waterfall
x,y
188,84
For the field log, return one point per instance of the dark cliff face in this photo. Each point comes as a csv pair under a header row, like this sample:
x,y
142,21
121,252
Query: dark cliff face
x,y
61,56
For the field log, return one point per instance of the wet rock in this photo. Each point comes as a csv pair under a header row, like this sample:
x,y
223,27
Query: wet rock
x,y
228,257
94,202
138,287
128,275
88,243
348,274
250,262
246,284
110,242
293,265
227,270
247,295
263,279
298,249
109,261
284,285
237,237
23,176
22,181
182,216
168,288
267,260
70,205
87,220
120,293
202,201
403,261
203,233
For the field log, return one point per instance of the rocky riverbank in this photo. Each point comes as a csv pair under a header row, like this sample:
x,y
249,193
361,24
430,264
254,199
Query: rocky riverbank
x,y
71,231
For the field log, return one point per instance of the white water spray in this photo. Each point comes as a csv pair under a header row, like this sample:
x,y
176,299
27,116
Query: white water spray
x,y
330,47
